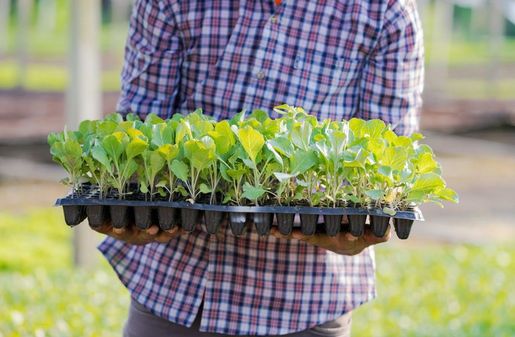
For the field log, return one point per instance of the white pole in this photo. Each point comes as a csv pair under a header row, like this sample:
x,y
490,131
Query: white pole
x,y
422,9
84,98
496,23
47,16
119,9
22,40
5,9
441,41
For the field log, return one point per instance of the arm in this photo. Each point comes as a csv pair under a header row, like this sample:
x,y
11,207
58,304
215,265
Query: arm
x,y
150,83
153,57
391,89
393,77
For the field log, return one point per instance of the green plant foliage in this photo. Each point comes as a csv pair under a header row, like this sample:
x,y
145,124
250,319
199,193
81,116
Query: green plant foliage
x,y
42,294
67,151
253,159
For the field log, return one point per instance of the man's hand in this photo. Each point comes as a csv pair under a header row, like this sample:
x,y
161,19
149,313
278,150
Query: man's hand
x,y
342,243
136,236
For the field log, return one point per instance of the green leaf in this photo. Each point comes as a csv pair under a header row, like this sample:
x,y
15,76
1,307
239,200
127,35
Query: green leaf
x,y
448,195
182,191
201,128
105,128
236,173
100,155
282,145
162,183
199,154
73,149
417,136
404,142
132,167
157,162
223,137
114,117
169,152
375,128
416,196
283,177
390,136
395,157
252,141
426,163
386,171
162,134
428,182
112,144
183,131
376,146
252,192
389,211
301,161
204,188
301,135
143,187
375,194
259,115
357,126
136,147
276,155
132,117
180,170
87,128
355,157
153,119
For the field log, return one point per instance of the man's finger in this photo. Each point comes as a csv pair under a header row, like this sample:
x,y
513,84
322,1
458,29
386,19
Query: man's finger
x,y
350,237
152,230
163,237
175,230
166,236
298,235
119,231
371,239
104,229
275,232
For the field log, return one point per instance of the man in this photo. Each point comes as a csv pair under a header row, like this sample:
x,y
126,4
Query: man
x,y
337,59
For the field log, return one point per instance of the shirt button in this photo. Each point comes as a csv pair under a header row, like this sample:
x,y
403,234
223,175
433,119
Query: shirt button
x,y
297,63
260,75
274,19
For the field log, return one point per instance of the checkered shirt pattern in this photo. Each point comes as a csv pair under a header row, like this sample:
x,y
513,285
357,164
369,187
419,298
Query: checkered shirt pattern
x,y
337,59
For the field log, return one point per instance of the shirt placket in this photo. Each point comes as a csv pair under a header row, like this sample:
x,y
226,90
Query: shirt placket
x,y
262,70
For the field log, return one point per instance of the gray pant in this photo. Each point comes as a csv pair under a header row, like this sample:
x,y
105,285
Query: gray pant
x,y
142,323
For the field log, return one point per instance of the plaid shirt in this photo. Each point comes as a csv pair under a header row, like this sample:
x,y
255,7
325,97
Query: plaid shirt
x,y
336,59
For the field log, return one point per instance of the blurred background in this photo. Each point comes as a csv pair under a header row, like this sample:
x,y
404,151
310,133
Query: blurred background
x,y
60,61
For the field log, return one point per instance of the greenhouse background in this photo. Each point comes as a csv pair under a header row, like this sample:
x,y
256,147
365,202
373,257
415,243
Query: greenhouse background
x,y
60,62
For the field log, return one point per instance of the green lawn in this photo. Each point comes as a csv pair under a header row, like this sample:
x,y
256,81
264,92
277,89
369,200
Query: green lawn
x,y
423,291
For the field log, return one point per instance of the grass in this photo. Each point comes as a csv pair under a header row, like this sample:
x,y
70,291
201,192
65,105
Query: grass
x,y
479,89
50,78
441,291
423,290
41,294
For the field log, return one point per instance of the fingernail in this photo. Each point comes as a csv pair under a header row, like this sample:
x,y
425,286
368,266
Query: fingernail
x,y
118,230
350,237
172,231
152,230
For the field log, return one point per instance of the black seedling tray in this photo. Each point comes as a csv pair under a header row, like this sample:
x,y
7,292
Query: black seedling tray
x,y
168,214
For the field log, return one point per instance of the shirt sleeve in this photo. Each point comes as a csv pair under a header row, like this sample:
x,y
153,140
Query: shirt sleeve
x,y
393,76
153,55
